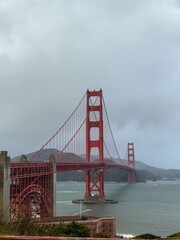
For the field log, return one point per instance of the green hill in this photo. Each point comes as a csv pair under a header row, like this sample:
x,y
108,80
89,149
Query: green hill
x,y
144,172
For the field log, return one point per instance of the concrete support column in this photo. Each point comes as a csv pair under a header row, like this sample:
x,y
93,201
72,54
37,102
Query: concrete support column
x,y
4,186
52,159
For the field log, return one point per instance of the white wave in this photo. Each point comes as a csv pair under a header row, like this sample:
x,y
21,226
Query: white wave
x,y
125,235
86,210
67,191
68,202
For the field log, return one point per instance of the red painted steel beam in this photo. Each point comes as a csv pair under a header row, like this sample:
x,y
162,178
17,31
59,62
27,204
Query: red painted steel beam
x,y
131,163
19,170
27,169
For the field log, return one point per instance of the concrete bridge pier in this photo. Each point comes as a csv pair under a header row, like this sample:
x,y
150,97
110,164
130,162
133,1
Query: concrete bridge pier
x,y
4,186
54,187
94,199
52,159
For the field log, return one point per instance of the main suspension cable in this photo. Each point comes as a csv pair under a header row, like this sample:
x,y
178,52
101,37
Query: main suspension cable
x,y
112,132
36,153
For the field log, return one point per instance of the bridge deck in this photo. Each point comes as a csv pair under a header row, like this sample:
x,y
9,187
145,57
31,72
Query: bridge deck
x,y
30,169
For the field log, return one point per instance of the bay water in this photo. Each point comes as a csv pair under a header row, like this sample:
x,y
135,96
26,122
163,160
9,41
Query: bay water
x,y
152,207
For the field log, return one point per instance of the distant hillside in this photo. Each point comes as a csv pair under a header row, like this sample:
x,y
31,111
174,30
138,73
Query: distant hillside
x,y
45,153
159,173
144,172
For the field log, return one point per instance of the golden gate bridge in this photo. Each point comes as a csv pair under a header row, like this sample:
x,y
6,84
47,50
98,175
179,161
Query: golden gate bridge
x,y
84,142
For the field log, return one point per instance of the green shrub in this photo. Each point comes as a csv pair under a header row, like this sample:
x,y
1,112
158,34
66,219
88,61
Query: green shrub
x,y
56,230
101,235
147,236
25,226
75,229
175,235
31,228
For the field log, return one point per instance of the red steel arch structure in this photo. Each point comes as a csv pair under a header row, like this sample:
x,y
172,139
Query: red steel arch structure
x,y
32,189
28,186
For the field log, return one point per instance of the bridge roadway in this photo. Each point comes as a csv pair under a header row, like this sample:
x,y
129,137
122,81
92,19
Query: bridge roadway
x,y
31,169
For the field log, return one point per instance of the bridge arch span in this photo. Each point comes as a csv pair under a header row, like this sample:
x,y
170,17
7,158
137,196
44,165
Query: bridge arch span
x,y
31,202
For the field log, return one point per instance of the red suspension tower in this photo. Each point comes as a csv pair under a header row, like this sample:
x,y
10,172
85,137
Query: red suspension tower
x,y
131,163
94,177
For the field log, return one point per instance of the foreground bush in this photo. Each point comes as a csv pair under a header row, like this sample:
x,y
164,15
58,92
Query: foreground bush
x,y
175,235
147,236
22,227
75,229
32,228
101,235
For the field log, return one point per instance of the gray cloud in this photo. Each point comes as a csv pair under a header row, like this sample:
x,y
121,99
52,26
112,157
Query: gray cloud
x,y
52,51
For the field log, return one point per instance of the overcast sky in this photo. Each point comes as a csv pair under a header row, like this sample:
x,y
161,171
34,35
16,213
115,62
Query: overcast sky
x,y
51,51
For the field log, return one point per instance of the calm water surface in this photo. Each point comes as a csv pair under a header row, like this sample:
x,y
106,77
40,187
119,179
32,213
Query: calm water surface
x,y
152,207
